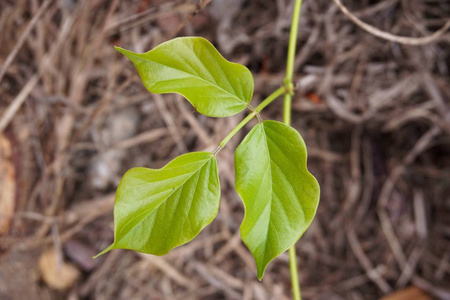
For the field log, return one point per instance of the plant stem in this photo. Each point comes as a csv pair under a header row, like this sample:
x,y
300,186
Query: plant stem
x,y
287,120
257,110
294,273
290,62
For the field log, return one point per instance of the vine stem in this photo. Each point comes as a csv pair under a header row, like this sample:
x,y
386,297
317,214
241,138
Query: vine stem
x,y
287,120
294,274
280,91
290,63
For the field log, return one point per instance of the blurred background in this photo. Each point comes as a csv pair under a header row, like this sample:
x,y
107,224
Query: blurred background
x,y
74,116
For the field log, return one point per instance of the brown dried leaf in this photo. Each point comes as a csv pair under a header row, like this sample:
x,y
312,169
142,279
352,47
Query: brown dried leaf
x,y
409,293
59,276
7,184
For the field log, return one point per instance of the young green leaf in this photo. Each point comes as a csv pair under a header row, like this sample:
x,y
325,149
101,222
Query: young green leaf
x,y
192,67
279,194
157,210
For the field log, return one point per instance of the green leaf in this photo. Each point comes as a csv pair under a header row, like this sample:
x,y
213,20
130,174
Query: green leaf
x,y
157,210
192,67
279,194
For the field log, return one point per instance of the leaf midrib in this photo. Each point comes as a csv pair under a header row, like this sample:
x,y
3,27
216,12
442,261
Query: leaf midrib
x,y
266,137
271,197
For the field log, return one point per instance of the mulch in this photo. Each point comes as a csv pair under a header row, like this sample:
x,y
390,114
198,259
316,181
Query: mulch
x,y
375,116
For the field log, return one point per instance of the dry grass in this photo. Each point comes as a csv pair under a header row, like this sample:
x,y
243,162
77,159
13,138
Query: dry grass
x,y
375,116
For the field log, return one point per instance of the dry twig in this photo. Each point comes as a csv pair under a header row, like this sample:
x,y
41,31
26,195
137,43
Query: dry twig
x,y
389,36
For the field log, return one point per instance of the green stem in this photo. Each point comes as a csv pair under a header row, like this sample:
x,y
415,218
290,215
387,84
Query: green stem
x,y
290,62
257,110
294,273
287,120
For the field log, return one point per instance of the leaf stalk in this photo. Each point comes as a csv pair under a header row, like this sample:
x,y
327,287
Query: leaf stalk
x,y
280,91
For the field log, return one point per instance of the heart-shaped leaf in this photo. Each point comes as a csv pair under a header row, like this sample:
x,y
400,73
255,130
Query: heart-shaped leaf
x,y
192,67
157,210
279,194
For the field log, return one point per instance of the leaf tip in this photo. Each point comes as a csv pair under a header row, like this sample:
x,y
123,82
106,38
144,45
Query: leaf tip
x,y
127,53
260,273
109,248
119,49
